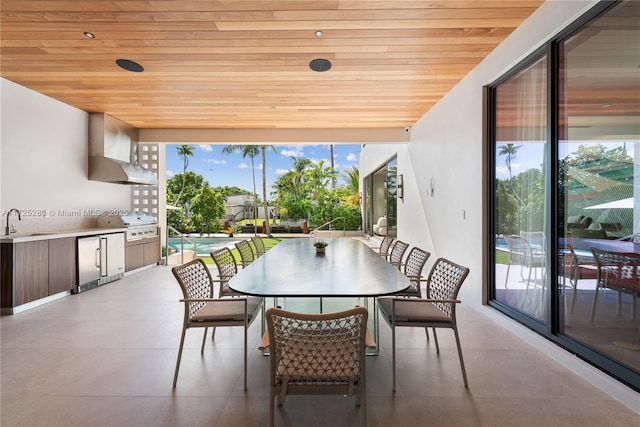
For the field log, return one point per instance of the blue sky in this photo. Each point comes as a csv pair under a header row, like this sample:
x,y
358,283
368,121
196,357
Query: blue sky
x,y
531,155
234,170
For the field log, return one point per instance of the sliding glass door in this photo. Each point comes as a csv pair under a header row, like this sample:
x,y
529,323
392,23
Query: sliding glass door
x,y
563,136
520,229
380,202
599,183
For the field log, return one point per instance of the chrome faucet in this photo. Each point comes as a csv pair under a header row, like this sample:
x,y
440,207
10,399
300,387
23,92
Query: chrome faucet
x,y
11,229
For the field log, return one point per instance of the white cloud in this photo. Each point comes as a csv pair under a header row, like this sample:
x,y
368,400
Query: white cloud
x,y
281,172
205,147
170,173
327,162
259,166
352,157
503,170
216,162
242,166
293,151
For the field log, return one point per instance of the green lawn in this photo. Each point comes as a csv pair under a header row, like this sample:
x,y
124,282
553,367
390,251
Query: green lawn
x,y
502,257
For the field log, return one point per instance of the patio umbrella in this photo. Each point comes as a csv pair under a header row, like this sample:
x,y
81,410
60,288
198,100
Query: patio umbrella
x,y
616,204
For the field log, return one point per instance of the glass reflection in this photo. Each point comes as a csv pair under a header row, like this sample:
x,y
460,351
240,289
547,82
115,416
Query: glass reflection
x,y
599,164
521,123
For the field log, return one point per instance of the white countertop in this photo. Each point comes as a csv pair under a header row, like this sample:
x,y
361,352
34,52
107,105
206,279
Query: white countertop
x,y
47,235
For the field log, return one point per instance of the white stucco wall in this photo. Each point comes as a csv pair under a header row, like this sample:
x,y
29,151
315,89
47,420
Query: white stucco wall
x,y
44,149
446,146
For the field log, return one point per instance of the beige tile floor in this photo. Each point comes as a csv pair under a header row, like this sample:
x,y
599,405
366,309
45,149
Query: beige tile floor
x,y
106,358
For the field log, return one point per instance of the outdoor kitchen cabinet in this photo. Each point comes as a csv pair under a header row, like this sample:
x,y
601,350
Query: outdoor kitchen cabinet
x,y
31,271
37,269
62,265
151,253
142,252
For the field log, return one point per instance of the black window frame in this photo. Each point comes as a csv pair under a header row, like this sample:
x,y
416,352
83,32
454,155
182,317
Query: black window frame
x,y
551,329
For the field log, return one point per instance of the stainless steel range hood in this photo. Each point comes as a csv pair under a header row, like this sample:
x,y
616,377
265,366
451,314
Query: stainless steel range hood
x,y
113,152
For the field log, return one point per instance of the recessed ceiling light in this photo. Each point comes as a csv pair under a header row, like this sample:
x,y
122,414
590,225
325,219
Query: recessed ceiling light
x,y
89,35
318,33
129,65
606,105
320,65
274,108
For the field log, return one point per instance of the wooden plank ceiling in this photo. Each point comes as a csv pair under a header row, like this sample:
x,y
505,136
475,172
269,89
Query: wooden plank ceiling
x,y
240,64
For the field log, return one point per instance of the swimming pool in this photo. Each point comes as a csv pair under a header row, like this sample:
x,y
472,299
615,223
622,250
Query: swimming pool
x,y
501,244
202,245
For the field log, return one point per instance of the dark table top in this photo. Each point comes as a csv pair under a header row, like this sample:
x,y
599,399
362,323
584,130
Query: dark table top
x,y
349,268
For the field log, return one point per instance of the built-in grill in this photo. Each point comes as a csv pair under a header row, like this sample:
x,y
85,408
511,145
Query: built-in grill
x,y
139,225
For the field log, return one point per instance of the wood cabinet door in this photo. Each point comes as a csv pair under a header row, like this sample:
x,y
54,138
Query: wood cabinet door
x,y
6,276
152,252
62,265
32,271
133,256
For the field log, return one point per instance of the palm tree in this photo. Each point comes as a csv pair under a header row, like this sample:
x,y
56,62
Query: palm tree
x,y
296,175
184,152
291,190
250,151
333,181
510,150
317,179
264,183
352,176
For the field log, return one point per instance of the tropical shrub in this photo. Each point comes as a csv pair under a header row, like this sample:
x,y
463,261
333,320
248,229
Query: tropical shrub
x,y
349,217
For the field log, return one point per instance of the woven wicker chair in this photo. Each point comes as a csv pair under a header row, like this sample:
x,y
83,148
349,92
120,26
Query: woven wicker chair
x,y
413,266
246,252
227,268
537,239
201,310
574,268
383,250
521,253
259,246
397,252
437,310
618,272
317,354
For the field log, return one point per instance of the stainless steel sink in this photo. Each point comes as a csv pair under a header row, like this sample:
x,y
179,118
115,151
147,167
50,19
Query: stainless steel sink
x,y
18,235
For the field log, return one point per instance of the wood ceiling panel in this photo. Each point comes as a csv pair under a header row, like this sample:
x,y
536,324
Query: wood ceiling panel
x,y
245,63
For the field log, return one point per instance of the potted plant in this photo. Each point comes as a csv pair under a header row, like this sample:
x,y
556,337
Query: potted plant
x,y
231,230
320,246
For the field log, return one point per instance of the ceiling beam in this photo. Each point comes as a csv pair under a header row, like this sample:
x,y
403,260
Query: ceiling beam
x,y
276,136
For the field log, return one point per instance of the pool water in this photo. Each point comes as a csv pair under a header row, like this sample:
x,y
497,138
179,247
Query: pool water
x,y
201,245
501,245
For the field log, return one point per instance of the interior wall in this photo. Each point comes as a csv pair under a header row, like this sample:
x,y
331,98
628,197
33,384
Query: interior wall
x,y
44,161
413,226
445,149
446,145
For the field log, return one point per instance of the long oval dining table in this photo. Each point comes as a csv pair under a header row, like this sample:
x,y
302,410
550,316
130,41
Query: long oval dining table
x,y
616,246
348,268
